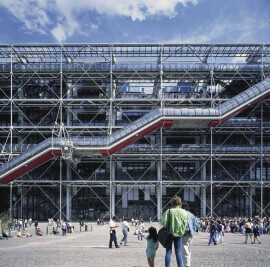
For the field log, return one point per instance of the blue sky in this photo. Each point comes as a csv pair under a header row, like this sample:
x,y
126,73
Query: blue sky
x,y
125,21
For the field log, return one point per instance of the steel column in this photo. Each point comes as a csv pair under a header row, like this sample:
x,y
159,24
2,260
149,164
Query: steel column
x,y
22,202
60,190
211,174
262,185
250,201
10,200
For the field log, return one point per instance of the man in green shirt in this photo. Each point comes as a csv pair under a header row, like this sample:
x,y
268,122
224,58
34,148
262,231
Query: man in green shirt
x,y
175,220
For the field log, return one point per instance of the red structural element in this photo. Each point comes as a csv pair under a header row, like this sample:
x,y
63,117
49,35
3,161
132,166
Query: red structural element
x,y
160,124
155,126
30,166
214,123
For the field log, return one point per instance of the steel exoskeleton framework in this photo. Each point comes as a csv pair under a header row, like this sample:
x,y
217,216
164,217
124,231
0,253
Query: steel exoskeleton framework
x,y
92,90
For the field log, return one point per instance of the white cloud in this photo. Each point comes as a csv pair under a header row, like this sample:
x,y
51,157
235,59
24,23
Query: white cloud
x,y
36,15
226,30
93,26
59,33
32,13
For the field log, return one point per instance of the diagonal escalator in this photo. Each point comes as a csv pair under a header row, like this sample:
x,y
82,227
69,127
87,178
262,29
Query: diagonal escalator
x,y
158,118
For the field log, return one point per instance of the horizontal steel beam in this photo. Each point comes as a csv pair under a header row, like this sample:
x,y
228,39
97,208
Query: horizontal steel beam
x,y
123,182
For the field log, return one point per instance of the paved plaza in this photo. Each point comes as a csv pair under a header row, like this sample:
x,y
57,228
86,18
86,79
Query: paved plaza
x,y
91,249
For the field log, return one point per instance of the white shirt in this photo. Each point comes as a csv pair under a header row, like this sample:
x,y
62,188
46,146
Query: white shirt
x,y
112,224
141,226
125,225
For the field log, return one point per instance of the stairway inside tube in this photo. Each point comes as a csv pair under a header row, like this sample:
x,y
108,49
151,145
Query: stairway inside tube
x,y
158,118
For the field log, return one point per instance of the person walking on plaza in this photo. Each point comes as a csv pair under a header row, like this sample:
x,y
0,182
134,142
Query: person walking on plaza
x,y
256,232
228,229
248,231
20,224
113,233
175,220
191,228
64,229
220,231
213,229
125,230
141,230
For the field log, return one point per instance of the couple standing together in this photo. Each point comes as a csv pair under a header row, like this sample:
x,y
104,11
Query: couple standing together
x,y
182,224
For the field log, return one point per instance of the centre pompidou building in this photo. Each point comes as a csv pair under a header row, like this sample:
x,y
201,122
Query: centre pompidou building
x,y
93,130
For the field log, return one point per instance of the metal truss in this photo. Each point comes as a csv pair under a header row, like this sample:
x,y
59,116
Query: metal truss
x,y
93,90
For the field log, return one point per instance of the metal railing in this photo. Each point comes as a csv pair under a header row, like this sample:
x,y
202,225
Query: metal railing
x,y
226,109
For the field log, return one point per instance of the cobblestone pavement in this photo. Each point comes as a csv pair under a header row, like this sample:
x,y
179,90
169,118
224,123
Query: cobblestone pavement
x,y
91,249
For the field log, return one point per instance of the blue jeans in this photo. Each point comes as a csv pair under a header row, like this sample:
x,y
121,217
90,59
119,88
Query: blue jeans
x,y
178,252
212,238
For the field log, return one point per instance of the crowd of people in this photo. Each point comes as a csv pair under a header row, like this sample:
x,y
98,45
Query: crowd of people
x,y
237,224
184,225
20,226
178,220
65,226
54,226
252,228
18,223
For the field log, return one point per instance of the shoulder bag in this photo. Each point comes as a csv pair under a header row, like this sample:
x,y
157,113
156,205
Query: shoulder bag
x,y
165,236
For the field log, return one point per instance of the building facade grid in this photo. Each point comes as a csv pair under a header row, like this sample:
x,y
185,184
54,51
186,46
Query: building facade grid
x,y
94,90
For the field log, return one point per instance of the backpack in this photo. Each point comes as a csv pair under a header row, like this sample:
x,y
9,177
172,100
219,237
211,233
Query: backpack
x,y
219,228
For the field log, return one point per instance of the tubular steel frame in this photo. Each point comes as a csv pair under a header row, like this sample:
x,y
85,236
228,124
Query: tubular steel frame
x,y
51,68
